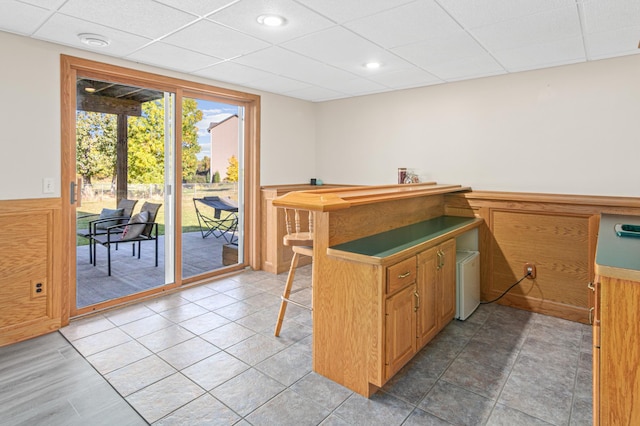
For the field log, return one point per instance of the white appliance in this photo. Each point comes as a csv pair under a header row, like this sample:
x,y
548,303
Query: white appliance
x,y
467,283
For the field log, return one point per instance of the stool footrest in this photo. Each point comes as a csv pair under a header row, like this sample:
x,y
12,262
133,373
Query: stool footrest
x,y
296,303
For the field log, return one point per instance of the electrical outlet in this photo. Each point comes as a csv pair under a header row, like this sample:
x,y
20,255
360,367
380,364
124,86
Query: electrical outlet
x,y
38,288
530,269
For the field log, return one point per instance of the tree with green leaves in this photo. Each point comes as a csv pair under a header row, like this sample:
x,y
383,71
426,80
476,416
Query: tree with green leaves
x,y
191,115
146,142
96,140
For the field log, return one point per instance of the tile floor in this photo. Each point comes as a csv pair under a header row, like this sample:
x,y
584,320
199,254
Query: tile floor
x,y
207,355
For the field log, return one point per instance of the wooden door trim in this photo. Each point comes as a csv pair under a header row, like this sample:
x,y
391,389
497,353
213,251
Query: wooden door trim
x,y
70,68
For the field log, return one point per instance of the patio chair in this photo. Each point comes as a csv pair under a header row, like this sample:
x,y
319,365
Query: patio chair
x,y
106,218
141,227
215,224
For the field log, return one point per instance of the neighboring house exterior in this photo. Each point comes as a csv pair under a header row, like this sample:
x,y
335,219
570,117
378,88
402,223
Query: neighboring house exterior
x,y
224,144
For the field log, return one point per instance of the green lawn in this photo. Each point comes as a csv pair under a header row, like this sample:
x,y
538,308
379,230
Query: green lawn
x,y
189,218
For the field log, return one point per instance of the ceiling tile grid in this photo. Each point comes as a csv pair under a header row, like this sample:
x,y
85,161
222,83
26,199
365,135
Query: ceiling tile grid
x,y
321,51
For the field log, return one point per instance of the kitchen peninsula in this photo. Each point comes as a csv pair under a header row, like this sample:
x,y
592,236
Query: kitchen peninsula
x,y
383,276
616,323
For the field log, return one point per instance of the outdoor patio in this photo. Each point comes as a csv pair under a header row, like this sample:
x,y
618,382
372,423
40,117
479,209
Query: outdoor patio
x,y
132,275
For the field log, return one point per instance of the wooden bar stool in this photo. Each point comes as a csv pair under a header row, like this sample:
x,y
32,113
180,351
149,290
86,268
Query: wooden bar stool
x,y
302,244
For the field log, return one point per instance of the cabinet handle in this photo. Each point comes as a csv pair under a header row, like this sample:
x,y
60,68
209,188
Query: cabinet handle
x,y
591,286
439,254
405,275
442,258
591,316
417,304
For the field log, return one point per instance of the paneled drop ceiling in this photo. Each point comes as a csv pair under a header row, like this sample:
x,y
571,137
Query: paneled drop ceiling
x,y
321,51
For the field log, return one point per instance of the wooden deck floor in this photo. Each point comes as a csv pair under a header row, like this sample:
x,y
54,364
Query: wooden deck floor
x,y
131,275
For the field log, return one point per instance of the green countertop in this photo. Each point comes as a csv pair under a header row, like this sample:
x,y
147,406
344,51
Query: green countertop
x,y
617,256
391,242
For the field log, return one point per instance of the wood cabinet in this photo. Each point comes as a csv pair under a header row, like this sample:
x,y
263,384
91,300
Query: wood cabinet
x,y
437,289
368,292
616,326
400,329
424,305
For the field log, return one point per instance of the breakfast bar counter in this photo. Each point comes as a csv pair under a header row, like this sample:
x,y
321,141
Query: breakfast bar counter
x,y
383,276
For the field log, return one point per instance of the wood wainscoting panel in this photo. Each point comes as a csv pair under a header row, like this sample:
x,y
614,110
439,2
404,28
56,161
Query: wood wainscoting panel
x,y
30,294
557,245
555,232
361,221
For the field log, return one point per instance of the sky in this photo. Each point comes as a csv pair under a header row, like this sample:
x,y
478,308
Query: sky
x,y
212,112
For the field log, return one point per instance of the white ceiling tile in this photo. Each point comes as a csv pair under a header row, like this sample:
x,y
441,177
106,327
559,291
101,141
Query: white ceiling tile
x,y
316,94
289,64
610,15
476,13
355,86
198,7
345,50
402,79
320,53
341,11
608,44
45,4
277,84
233,73
243,16
455,47
215,40
173,57
21,18
533,29
567,51
471,67
65,29
417,21
142,17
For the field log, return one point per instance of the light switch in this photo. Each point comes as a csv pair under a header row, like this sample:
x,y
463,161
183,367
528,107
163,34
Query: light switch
x,y
47,186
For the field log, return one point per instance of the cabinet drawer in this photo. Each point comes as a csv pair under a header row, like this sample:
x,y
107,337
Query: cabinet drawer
x,y
401,274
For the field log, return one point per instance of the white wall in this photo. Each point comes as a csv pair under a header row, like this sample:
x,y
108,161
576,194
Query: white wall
x,y
571,129
568,130
30,120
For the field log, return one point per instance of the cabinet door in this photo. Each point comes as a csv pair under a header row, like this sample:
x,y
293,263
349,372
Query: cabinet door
x,y
619,376
400,326
427,312
447,282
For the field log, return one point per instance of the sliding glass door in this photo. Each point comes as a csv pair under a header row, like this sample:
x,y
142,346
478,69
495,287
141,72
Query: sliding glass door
x,y
163,183
125,166
212,185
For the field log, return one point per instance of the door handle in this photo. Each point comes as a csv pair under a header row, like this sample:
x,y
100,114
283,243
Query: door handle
x,y
72,193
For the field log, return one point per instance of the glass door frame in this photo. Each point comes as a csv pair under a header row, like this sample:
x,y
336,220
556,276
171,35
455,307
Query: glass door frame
x,y
71,68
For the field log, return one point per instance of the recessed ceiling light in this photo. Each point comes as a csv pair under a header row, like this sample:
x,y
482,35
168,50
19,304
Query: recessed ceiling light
x,y
94,40
271,20
373,65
